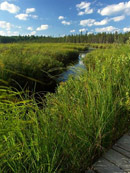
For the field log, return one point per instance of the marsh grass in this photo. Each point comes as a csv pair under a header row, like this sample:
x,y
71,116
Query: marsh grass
x,y
30,64
78,123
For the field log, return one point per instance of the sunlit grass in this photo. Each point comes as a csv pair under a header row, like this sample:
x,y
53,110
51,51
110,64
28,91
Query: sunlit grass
x,y
30,64
76,124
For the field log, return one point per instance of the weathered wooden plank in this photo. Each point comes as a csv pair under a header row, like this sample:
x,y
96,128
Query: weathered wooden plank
x,y
118,159
122,151
104,166
124,142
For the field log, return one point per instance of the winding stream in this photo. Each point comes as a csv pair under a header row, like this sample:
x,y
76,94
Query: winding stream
x,y
72,70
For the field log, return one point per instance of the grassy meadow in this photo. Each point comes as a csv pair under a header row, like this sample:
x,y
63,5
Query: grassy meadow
x,y
77,123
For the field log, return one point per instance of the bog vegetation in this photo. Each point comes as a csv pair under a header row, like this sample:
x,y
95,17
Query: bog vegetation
x,y
29,65
76,123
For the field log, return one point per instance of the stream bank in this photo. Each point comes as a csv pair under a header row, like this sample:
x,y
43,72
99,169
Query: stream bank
x,y
75,68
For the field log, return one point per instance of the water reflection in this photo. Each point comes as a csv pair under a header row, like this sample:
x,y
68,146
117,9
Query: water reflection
x,y
72,70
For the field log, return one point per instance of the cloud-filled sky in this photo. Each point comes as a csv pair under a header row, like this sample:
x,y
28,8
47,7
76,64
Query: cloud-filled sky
x,y
63,17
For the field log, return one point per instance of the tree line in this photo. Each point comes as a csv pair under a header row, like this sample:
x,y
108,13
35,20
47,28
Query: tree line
x,y
74,38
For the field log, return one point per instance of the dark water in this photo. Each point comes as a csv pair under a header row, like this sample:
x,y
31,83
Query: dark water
x,y
40,91
75,68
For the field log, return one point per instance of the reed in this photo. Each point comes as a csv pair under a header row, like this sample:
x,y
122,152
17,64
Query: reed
x,y
75,126
29,65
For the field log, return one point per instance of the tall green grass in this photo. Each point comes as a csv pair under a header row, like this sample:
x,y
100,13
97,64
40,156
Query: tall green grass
x,y
27,65
78,122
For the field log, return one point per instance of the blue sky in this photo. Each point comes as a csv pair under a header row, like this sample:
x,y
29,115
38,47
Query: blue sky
x,y
63,17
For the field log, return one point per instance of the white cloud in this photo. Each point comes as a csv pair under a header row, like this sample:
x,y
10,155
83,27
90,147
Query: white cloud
x,y
9,33
88,33
126,29
2,33
42,27
22,16
82,30
63,35
33,16
115,8
30,10
65,22
61,17
102,22
87,22
85,6
107,29
15,33
33,33
92,22
118,18
72,31
5,25
30,28
11,8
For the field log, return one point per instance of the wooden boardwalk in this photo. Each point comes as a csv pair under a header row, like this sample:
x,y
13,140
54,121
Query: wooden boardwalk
x,y
116,160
